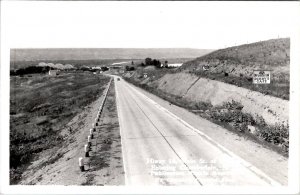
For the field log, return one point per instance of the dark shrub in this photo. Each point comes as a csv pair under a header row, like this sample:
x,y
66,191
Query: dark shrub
x,y
203,105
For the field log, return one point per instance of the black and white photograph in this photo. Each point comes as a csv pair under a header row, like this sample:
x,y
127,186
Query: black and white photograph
x,y
149,97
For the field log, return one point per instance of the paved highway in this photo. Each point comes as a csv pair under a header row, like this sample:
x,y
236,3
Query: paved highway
x,y
159,148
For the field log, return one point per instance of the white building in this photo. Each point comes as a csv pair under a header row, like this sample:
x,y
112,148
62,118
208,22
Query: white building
x,y
53,72
96,67
174,65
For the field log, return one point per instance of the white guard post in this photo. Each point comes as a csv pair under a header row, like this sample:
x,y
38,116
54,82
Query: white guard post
x,y
81,165
89,141
93,126
91,133
86,150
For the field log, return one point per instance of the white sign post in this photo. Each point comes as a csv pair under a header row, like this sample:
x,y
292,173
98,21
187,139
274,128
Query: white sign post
x,y
91,133
86,150
89,141
93,127
81,165
96,122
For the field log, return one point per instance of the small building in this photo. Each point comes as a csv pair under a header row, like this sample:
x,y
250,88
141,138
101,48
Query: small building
x,y
175,65
53,72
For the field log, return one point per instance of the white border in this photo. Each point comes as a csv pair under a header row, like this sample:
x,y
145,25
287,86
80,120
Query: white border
x,y
292,188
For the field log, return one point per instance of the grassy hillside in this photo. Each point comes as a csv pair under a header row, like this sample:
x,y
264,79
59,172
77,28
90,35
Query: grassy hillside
x,y
265,54
40,107
235,65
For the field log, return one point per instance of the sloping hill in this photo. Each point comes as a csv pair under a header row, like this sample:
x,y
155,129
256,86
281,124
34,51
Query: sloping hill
x,y
235,65
273,55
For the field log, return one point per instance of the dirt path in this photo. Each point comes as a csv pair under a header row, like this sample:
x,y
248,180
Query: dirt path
x,y
59,165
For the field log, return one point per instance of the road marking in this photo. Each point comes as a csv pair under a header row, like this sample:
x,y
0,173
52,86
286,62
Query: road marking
x,y
167,141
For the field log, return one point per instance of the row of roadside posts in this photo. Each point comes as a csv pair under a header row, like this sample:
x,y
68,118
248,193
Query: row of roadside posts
x,y
88,146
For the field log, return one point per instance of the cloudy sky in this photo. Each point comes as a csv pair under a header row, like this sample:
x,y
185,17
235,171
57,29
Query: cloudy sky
x,y
205,25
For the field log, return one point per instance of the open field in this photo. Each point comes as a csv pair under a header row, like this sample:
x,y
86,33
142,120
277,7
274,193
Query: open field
x,y
104,166
40,108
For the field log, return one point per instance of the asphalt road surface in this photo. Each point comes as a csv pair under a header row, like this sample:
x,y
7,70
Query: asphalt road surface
x,y
159,148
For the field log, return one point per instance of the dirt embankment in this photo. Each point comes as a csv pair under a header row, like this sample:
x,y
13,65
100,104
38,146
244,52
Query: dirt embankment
x,y
59,165
249,113
194,89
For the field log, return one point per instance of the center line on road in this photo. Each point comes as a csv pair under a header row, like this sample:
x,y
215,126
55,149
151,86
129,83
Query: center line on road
x,y
167,142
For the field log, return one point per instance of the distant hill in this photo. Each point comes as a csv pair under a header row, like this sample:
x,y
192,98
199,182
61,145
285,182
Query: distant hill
x,y
104,53
272,55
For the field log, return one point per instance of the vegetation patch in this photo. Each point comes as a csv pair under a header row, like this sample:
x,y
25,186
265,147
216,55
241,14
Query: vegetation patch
x,y
40,107
278,87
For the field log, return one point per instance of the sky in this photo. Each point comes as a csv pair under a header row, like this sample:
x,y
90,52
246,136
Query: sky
x,y
203,25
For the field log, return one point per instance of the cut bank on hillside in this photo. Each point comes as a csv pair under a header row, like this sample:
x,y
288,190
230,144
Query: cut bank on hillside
x,y
225,94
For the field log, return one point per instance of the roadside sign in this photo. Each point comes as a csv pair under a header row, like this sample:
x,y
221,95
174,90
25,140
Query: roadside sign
x,y
261,77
